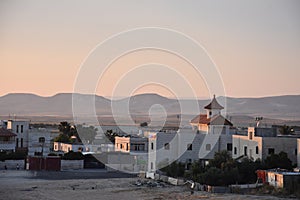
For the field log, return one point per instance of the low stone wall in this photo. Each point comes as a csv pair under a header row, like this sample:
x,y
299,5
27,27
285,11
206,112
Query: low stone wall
x,y
181,182
71,164
12,164
218,189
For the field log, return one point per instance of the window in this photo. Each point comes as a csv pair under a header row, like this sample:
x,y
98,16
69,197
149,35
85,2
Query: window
x,y
17,143
21,128
210,113
41,140
127,146
295,151
229,146
17,129
121,146
250,135
190,147
208,147
21,142
271,151
256,149
245,151
151,165
167,146
152,146
235,150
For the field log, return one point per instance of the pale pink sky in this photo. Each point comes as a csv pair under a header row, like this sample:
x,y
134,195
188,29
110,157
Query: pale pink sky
x,y
255,44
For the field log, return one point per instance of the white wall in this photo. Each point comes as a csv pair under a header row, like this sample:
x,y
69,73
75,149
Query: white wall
x,y
12,164
72,164
33,143
13,124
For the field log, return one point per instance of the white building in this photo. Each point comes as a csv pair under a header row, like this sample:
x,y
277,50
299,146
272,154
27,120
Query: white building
x,y
21,129
136,149
262,142
67,147
39,142
211,133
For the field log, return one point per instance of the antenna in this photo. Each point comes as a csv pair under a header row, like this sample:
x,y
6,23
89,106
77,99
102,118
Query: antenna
x,y
258,119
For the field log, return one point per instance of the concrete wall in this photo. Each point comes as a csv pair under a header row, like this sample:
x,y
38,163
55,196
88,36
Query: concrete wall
x,y
34,145
15,127
285,144
12,164
239,142
159,156
71,164
178,142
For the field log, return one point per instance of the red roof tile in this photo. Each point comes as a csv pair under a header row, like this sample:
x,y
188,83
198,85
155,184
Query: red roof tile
x,y
216,120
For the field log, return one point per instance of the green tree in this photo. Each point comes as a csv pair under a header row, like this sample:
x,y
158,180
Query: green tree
x,y
175,169
247,170
86,133
221,160
62,138
280,160
285,130
71,155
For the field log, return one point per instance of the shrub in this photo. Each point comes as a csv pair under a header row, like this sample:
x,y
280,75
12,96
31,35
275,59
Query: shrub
x,y
73,156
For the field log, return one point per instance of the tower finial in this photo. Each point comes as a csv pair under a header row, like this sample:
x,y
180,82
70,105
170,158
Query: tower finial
x,y
214,96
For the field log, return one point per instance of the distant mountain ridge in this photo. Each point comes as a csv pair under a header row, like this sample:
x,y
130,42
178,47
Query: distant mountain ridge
x,y
278,107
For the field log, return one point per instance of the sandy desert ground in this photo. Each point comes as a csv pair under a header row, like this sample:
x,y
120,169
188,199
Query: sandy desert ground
x,y
26,185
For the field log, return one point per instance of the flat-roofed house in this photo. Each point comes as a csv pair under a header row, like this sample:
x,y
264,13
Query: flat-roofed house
x,y
7,140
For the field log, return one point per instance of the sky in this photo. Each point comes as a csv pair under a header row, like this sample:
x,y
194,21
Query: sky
x,y
254,47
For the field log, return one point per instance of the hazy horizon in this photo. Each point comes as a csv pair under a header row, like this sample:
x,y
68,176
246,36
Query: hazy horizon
x,y
149,93
254,46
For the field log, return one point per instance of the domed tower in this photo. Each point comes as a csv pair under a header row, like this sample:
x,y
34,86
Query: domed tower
x,y
213,108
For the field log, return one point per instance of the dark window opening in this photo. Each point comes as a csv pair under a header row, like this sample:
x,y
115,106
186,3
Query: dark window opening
x,y
271,151
229,146
167,146
245,151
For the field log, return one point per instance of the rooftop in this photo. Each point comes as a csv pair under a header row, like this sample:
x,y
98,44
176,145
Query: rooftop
x,y
6,133
214,104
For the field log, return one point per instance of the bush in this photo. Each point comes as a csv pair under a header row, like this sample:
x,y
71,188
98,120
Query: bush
x,y
12,156
73,156
175,169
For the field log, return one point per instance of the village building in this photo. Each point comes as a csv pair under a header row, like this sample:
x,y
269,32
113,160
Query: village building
x,y
7,140
280,178
67,147
21,129
39,142
211,133
259,143
135,148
